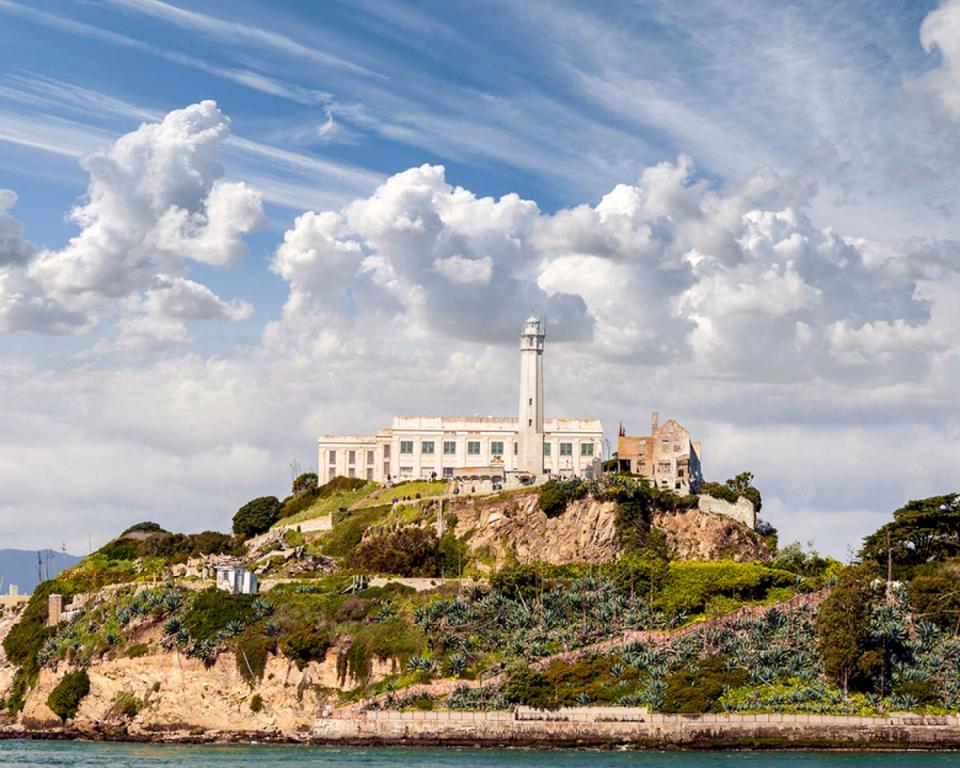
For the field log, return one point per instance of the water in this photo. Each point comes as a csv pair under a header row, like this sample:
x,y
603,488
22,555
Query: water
x,y
26,754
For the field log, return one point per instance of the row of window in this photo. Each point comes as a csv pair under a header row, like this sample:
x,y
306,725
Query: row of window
x,y
352,457
496,448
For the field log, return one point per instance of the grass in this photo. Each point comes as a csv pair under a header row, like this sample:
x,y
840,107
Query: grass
x,y
327,506
425,488
348,529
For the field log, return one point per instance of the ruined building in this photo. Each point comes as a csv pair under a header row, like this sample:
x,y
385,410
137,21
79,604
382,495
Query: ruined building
x,y
667,457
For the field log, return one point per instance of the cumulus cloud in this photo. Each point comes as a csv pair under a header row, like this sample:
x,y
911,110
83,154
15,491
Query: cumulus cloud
x,y
940,32
736,282
13,248
155,202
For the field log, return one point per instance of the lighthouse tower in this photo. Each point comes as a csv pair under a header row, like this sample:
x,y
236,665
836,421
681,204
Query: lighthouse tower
x,y
530,426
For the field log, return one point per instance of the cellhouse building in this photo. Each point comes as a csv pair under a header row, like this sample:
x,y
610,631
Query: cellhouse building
x,y
525,448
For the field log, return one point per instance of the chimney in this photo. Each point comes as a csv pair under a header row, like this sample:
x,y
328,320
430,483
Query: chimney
x,y
54,609
654,422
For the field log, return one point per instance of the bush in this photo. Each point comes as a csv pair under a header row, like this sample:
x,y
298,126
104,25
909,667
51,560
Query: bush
x,y
137,650
213,609
554,495
411,551
127,704
529,688
256,703
256,516
935,597
690,584
64,700
304,483
698,687
252,650
172,547
25,639
349,527
304,644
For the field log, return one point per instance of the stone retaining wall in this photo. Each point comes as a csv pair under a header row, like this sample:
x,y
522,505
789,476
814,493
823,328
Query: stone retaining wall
x,y
656,731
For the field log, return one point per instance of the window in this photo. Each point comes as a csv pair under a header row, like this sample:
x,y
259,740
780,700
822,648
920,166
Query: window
x,y
679,471
531,401
386,451
546,449
369,457
386,469
529,422
586,449
369,473
448,471
496,447
351,472
516,448
566,449
449,448
351,457
473,447
406,446
333,457
426,446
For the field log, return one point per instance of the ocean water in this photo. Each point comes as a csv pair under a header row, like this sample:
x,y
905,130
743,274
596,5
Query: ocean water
x,y
34,754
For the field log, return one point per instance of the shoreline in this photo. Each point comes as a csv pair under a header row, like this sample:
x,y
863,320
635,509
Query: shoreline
x,y
658,733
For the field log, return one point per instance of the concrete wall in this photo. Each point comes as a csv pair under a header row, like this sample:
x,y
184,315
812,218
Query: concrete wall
x,y
742,511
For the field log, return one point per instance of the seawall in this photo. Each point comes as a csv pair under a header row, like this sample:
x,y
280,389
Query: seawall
x,y
594,728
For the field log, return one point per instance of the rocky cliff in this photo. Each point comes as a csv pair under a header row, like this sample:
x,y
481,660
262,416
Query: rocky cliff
x,y
514,527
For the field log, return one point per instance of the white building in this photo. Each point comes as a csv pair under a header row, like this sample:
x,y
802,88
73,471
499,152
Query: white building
x,y
423,447
235,579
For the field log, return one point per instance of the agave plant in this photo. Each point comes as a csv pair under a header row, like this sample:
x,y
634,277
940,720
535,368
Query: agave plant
x,y
456,664
262,608
172,626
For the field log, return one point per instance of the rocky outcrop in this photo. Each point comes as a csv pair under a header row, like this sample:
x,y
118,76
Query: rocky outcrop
x,y
693,534
743,511
515,527
181,694
583,533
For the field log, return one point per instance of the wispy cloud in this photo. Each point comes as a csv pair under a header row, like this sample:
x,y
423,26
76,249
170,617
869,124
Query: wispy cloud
x,y
233,32
256,81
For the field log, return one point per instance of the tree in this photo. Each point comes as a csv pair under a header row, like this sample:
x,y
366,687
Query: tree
x,y
843,631
256,516
64,700
742,484
305,483
922,531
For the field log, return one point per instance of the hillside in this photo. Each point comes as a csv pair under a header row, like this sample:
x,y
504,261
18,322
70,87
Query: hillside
x,y
567,595
19,566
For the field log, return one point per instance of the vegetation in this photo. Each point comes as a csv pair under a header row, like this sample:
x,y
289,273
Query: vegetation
x,y
311,502
690,585
256,516
735,487
699,687
256,703
349,527
128,705
409,551
64,700
408,491
214,610
554,495
148,540
304,644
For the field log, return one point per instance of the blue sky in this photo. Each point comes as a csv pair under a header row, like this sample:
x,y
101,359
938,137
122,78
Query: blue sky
x,y
775,269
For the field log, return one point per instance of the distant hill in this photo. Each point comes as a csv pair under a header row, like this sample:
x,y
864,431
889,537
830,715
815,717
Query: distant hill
x,y
19,566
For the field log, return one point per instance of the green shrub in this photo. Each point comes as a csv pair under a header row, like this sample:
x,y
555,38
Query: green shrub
x,y
127,704
24,641
554,495
137,650
256,516
304,483
256,703
935,597
411,551
64,700
172,547
530,688
349,527
305,643
213,609
697,688
252,651
690,584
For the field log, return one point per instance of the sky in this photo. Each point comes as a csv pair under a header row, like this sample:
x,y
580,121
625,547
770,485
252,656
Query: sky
x,y
228,227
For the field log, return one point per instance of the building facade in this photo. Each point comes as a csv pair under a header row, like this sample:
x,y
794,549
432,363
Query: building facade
x,y
425,447
668,457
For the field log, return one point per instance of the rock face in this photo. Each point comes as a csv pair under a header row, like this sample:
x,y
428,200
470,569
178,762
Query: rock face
x,y
743,511
583,533
515,527
181,694
693,534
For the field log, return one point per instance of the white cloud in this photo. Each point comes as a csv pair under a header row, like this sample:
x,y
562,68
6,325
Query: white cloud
x,y
464,271
940,32
13,248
